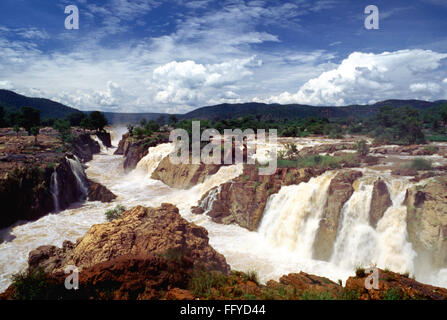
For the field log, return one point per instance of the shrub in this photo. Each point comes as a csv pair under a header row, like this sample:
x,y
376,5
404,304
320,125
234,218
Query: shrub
x,y
30,285
202,282
392,294
360,272
362,148
420,164
116,213
306,295
251,275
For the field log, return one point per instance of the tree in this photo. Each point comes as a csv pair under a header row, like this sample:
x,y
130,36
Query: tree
x,y
17,129
85,124
362,148
63,126
172,120
98,121
2,117
76,118
161,120
130,129
35,132
29,118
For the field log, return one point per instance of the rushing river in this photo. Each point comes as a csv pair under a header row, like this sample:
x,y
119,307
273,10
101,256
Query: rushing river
x,y
283,243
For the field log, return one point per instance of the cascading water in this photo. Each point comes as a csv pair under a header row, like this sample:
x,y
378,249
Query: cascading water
x,y
54,190
359,244
78,171
292,216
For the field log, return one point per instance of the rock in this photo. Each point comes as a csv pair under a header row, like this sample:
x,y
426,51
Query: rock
x,y
183,176
380,202
105,138
135,149
339,191
404,172
243,199
427,221
97,192
302,283
179,294
84,147
394,286
141,232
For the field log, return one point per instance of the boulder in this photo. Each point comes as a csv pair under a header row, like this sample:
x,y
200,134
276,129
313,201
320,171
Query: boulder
x,y
140,232
97,192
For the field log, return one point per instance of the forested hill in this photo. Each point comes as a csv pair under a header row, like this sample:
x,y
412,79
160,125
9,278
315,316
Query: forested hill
x,y
293,111
13,102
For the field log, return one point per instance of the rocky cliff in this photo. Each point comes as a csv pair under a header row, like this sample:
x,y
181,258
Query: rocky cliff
x,y
427,221
98,192
36,179
242,200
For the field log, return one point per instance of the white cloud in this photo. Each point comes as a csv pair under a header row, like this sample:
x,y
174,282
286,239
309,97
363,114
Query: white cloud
x,y
366,76
5,84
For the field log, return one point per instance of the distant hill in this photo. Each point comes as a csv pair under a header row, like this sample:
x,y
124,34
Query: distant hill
x,y
293,111
13,102
51,109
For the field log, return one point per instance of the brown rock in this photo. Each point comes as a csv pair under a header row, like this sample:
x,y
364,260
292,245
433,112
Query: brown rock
x,y
97,192
140,232
380,202
340,190
183,176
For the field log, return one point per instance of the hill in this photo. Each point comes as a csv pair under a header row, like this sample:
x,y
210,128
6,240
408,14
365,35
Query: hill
x,y
292,111
51,109
13,102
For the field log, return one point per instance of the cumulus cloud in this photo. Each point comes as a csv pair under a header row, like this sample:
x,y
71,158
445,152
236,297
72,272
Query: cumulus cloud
x,y
364,77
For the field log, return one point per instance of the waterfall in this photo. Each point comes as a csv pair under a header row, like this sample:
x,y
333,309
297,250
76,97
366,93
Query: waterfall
x,y
78,171
359,244
207,203
54,190
155,154
292,216
103,148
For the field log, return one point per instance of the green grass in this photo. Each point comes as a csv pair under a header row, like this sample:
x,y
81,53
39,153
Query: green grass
x,y
202,282
319,161
392,294
306,295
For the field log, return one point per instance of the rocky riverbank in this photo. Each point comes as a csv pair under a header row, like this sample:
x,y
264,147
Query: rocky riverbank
x,y
43,176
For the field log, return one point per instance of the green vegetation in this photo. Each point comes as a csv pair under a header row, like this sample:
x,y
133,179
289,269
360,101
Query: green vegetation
x,y
362,148
420,164
30,285
306,295
319,161
392,294
202,283
115,213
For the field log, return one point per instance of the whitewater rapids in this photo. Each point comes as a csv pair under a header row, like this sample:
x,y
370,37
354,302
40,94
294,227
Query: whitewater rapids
x,y
283,243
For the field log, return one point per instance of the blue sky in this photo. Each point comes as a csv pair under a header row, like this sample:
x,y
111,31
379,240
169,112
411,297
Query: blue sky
x,y
174,56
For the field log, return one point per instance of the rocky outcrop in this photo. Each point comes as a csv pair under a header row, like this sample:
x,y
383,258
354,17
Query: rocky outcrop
x,y
183,176
97,192
105,138
394,286
380,202
140,232
412,150
134,149
25,192
243,199
84,147
427,221
339,191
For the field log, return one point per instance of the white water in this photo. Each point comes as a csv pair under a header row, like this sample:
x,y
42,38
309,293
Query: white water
x,y
81,179
282,245
54,190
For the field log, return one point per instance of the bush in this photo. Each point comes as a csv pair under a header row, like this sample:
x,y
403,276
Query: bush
x,y
252,276
420,164
116,213
362,148
30,285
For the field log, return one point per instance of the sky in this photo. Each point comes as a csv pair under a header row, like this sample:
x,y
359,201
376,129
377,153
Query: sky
x,y
174,56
